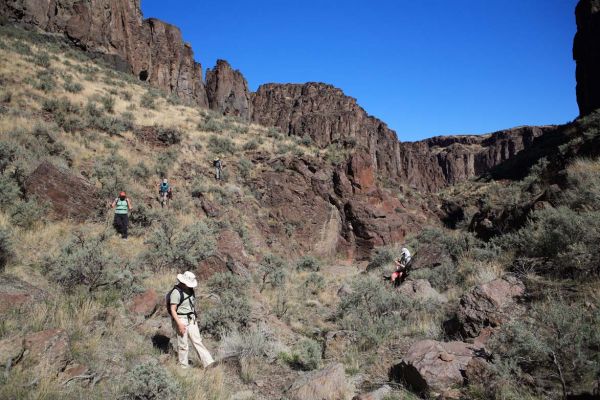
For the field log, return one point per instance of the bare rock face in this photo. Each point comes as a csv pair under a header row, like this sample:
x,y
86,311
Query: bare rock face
x,y
326,384
326,115
308,207
227,91
70,196
434,163
48,350
144,304
431,367
379,394
489,305
15,293
586,53
151,49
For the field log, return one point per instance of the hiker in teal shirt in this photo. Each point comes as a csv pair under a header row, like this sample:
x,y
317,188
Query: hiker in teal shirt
x,y
122,206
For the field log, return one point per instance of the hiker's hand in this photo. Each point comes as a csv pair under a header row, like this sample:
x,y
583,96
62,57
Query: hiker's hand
x,y
181,328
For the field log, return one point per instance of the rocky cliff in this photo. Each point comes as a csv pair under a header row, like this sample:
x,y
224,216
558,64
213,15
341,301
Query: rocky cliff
x,y
326,115
227,91
586,52
151,49
434,163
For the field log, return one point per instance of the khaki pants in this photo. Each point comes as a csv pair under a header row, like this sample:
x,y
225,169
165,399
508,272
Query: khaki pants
x,y
193,333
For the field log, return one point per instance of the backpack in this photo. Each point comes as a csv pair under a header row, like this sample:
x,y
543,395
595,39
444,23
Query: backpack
x,y
217,163
182,298
164,187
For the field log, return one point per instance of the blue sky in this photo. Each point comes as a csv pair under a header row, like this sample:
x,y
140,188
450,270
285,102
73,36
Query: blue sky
x,y
427,67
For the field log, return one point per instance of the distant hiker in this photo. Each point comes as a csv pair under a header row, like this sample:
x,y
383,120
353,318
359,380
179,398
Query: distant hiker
x,y
402,263
181,307
122,206
165,192
218,164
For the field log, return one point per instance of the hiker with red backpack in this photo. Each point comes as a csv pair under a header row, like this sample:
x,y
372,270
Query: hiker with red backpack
x,y
181,307
122,206
402,263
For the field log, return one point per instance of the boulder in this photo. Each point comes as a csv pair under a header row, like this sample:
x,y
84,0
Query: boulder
x,y
489,305
379,394
11,351
432,367
144,304
70,195
210,266
46,351
420,289
227,91
15,293
231,246
326,384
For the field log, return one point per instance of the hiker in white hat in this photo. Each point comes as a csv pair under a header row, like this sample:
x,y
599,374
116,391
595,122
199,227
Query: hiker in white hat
x,y
181,306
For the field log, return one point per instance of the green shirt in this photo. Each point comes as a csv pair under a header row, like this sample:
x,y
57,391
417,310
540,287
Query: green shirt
x,y
187,305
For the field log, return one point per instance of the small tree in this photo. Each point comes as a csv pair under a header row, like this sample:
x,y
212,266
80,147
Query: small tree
x,y
272,271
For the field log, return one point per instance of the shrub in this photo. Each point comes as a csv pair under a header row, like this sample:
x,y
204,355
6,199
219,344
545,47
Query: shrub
x,y
272,270
147,101
88,260
220,145
150,381
164,161
306,141
245,166
567,238
314,283
73,87
250,145
375,311
306,355
554,346
108,102
140,171
211,124
8,152
179,247
308,263
11,193
45,81
258,341
6,252
26,214
42,60
233,309
381,258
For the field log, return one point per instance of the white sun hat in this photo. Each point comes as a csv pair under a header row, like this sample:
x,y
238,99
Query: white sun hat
x,y
188,279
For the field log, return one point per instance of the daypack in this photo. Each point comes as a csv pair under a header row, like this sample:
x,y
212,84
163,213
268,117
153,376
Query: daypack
x,y
182,298
217,163
164,187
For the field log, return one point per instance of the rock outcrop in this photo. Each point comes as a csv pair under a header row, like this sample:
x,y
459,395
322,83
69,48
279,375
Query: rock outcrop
x,y
227,91
69,195
326,115
15,293
326,384
326,211
420,289
445,160
152,50
489,305
431,367
586,53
